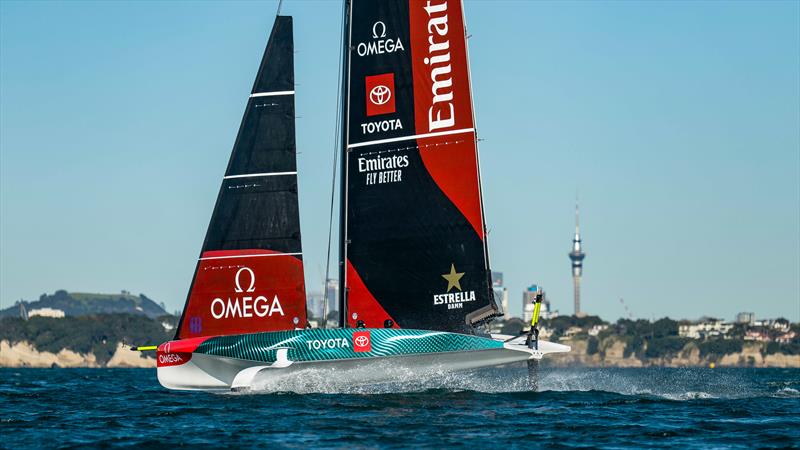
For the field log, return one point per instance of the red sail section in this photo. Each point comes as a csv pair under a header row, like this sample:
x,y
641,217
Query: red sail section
x,y
363,303
442,103
245,291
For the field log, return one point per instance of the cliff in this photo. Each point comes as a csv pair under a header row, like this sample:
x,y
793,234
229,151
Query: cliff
x,y
86,341
614,351
23,354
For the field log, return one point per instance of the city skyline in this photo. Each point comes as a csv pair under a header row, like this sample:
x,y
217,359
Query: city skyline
x,y
677,122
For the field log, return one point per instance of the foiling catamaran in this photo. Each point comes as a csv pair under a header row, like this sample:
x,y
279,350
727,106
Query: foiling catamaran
x,y
414,266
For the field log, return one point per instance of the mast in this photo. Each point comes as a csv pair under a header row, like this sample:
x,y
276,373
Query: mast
x,y
346,30
489,312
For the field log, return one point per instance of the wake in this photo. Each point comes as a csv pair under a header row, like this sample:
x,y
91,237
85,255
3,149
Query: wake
x,y
659,383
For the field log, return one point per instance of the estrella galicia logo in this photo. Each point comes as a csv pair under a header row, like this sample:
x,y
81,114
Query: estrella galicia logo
x,y
380,94
195,325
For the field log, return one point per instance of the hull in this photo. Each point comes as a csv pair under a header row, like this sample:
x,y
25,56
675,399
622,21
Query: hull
x,y
347,356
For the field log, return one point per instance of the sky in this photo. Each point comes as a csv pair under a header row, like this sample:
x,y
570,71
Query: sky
x,y
676,123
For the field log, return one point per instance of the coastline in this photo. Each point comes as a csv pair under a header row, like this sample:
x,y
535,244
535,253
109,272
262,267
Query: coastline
x,y
614,353
23,354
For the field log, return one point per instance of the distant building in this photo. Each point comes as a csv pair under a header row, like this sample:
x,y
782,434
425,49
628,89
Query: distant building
x,y
705,328
500,293
576,256
46,312
596,329
332,290
746,317
570,333
756,335
528,299
775,324
315,303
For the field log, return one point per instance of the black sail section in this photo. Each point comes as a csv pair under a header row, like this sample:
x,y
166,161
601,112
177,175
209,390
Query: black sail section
x,y
250,274
415,255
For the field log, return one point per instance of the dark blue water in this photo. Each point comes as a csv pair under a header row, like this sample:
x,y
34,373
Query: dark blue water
x,y
612,408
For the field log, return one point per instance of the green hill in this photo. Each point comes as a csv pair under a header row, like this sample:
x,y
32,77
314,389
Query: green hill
x,y
97,334
82,304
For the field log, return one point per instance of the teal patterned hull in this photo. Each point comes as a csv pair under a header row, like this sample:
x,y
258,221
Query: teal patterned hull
x,y
341,344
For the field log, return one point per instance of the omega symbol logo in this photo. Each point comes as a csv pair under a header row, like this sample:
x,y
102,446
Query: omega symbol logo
x,y
252,280
380,95
378,25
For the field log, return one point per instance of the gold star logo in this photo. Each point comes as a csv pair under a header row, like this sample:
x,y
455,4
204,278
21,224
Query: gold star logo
x,y
453,278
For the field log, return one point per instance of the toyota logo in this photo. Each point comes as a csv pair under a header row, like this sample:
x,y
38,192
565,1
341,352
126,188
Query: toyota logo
x,y
361,341
380,95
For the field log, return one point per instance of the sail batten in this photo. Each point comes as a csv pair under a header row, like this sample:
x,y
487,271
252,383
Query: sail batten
x,y
249,275
414,235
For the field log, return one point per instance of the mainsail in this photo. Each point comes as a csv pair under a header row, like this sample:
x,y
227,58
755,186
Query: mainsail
x,y
249,277
414,239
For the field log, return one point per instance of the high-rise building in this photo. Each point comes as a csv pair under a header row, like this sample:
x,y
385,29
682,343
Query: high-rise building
x,y
315,301
746,317
332,290
576,256
528,304
500,293
528,297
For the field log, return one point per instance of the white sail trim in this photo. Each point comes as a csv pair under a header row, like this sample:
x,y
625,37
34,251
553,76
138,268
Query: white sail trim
x,y
263,174
250,256
415,136
270,94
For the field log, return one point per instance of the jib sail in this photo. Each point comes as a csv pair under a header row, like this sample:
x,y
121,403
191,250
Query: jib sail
x,y
414,245
249,277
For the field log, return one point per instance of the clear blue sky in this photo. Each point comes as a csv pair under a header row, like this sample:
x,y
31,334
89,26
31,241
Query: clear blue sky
x,y
677,122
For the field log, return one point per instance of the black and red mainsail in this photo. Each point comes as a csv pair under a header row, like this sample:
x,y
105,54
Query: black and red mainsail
x,y
414,249
249,277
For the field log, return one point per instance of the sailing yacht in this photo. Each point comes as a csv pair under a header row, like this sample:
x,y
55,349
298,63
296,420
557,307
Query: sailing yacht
x,y
413,263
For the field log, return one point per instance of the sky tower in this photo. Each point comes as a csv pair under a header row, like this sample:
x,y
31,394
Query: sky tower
x,y
576,256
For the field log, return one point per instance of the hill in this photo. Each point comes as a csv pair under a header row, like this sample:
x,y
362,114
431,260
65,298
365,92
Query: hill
x,y
97,337
82,304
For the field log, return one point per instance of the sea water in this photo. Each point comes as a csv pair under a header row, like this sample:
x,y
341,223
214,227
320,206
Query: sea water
x,y
611,408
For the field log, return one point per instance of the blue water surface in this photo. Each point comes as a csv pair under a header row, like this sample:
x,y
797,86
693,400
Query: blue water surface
x,y
608,408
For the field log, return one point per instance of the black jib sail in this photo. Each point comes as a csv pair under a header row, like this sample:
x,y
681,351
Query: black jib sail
x,y
250,274
414,253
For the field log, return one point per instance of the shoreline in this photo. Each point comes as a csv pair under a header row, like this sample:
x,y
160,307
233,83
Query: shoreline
x,y
23,354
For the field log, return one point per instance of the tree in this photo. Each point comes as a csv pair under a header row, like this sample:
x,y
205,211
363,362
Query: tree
x,y
513,326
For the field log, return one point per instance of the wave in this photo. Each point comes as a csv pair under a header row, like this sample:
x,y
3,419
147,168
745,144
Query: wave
x,y
787,392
